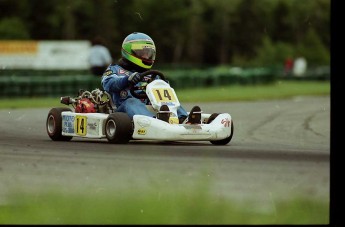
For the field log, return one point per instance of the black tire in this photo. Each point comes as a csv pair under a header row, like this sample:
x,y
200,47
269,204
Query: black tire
x,y
54,124
118,128
223,141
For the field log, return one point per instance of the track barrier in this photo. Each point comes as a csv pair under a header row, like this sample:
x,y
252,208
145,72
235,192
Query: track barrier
x,y
53,83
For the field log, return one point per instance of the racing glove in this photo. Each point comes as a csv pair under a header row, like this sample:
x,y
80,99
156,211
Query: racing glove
x,y
134,78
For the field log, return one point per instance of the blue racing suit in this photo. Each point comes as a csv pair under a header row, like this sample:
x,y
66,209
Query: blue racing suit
x,y
115,82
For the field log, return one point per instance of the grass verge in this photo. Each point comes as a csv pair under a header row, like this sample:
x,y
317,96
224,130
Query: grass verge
x,y
144,207
279,90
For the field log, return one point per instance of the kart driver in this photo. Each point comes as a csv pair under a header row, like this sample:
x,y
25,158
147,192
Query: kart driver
x,y
137,56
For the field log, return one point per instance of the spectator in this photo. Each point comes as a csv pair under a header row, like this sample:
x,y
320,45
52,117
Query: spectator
x,y
299,66
288,65
100,57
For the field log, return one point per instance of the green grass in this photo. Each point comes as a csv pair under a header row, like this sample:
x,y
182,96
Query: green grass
x,y
145,207
279,90
34,102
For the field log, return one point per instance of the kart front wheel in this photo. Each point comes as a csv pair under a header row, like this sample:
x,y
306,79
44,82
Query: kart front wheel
x,y
118,128
54,124
227,139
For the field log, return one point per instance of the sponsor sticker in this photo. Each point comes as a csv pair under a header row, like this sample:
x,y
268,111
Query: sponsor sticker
x,y
107,73
192,127
67,124
173,120
142,131
121,71
123,94
226,122
93,126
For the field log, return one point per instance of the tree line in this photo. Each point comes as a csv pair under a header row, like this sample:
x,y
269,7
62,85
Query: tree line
x,y
186,32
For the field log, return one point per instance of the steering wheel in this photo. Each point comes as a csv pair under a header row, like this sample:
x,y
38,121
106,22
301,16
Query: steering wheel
x,y
153,74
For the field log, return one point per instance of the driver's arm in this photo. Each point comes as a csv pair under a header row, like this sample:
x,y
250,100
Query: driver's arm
x,y
111,82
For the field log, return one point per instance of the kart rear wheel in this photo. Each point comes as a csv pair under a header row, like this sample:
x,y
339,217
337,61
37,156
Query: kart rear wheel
x,y
118,128
54,124
227,139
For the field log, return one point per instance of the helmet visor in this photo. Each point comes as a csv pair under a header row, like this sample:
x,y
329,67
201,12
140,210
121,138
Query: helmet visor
x,y
144,51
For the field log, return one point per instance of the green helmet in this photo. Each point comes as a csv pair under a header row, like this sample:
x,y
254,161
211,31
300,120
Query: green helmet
x,y
139,49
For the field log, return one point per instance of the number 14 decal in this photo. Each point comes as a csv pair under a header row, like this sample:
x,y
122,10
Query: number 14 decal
x,y
80,125
164,95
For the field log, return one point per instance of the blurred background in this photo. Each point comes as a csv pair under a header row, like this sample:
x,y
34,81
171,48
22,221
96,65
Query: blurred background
x,y
205,37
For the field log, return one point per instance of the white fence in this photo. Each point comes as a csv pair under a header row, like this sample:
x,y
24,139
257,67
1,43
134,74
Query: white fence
x,y
44,54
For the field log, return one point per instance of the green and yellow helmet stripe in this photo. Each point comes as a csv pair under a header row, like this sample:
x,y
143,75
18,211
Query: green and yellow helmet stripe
x,y
135,60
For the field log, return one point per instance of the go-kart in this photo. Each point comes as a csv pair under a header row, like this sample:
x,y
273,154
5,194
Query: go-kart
x,y
95,116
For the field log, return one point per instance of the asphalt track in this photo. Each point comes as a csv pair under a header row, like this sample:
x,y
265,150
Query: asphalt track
x,y
280,149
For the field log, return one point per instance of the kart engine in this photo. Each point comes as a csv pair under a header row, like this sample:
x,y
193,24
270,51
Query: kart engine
x,y
96,101
85,106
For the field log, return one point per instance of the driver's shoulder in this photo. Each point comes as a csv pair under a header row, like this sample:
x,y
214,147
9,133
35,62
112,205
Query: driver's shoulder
x,y
117,70
120,71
